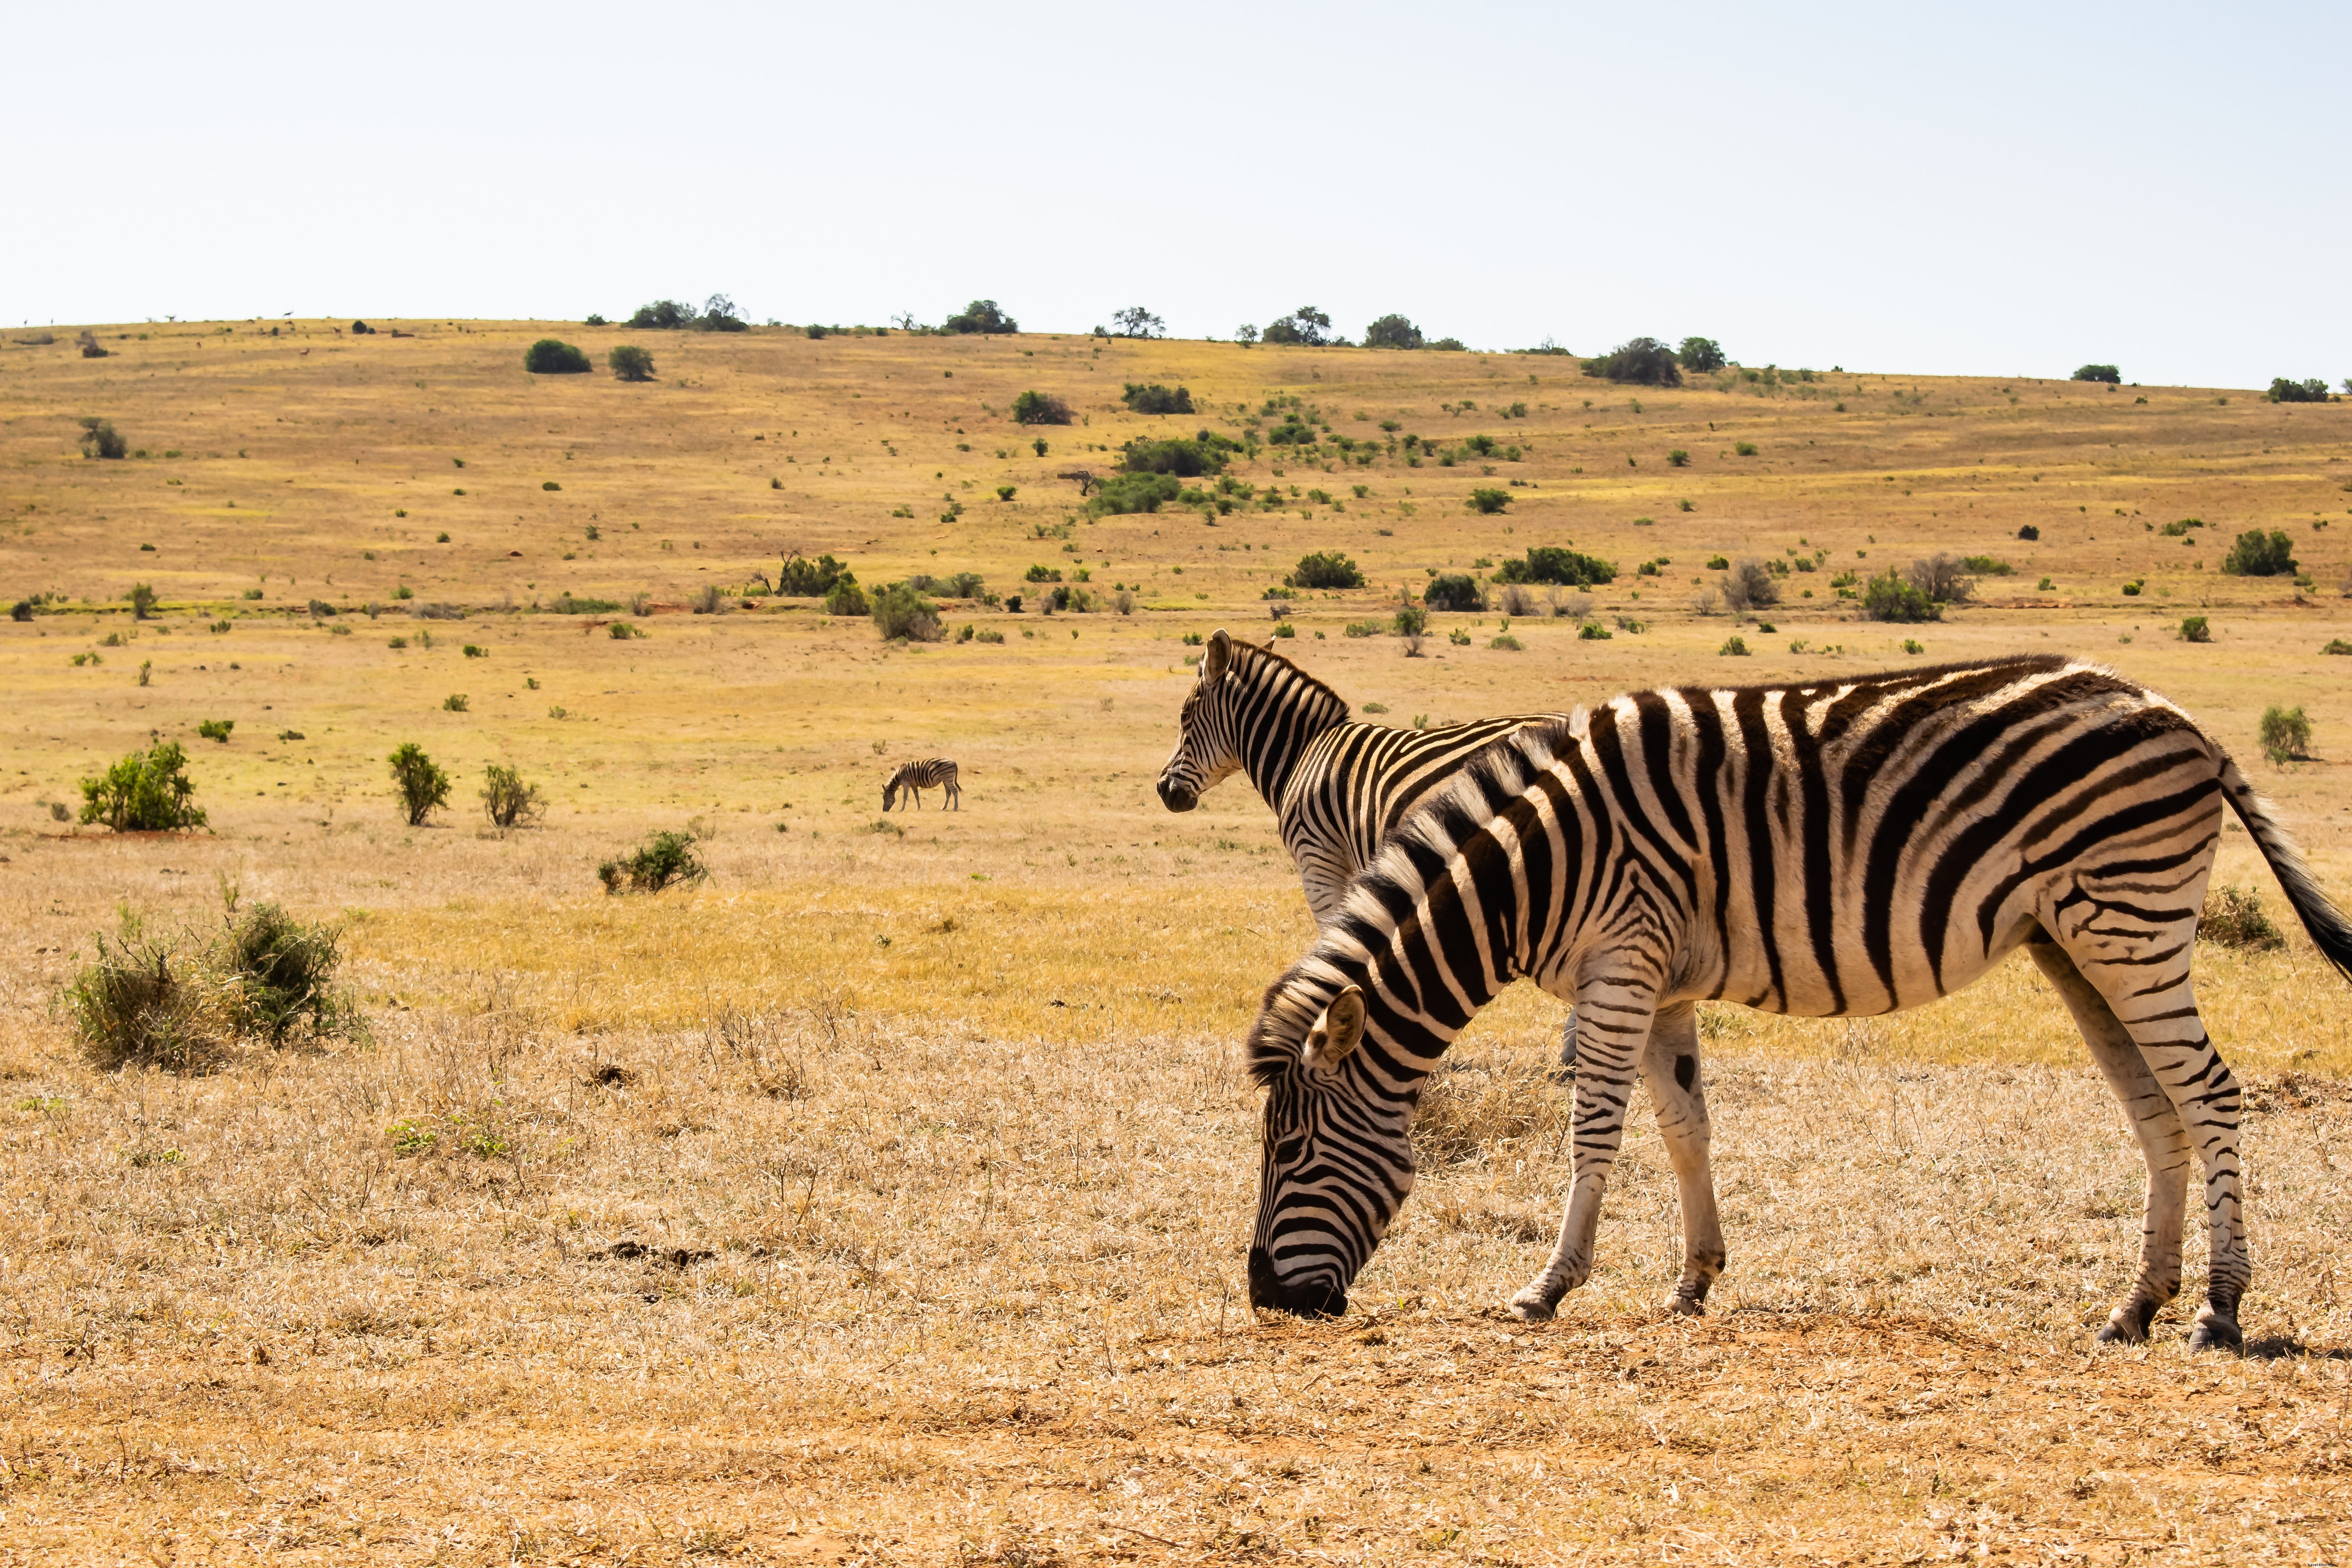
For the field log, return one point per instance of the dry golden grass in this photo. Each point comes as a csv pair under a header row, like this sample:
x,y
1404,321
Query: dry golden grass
x,y
886,1199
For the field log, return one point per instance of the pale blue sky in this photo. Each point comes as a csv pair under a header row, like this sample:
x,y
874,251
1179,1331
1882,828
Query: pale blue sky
x,y
2002,189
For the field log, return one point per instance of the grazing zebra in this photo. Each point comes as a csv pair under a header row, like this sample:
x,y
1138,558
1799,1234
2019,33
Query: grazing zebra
x,y
1337,787
1841,848
928,772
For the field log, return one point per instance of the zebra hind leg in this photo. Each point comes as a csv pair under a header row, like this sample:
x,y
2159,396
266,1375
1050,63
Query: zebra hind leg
x,y
1671,1069
1613,1031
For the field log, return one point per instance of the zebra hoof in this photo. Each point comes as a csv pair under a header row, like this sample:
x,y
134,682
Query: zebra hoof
x,y
2214,1333
1680,1306
2128,1324
1531,1306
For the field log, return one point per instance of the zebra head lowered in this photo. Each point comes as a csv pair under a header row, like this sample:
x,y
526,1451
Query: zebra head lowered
x,y
1343,1073
1252,710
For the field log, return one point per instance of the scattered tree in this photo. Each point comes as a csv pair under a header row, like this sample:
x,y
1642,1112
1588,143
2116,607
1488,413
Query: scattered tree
x,y
1134,321
1550,564
2285,391
553,356
1305,325
719,315
1454,591
2104,373
1944,578
99,439
800,578
1041,408
902,614
665,858
982,316
1246,334
362,330
141,599
1158,399
146,792
1411,623
1749,586
509,802
1393,333
844,598
631,363
1890,598
1488,500
2285,736
663,315
1642,361
2260,555
420,783
1701,355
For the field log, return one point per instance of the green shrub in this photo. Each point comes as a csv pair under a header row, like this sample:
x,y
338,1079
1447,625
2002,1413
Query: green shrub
x,y
509,802
2105,372
2285,735
216,728
2338,645
2233,917
1913,644
1454,591
2260,555
1744,449
719,315
568,603
802,578
1190,458
421,785
2028,532
1641,361
2196,628
1409,622
1890,598
1487,501
982,316
455,703
1041,408
1733,647
1701,355
1325,569
143,601
1593,631
630,363
553,356
901,613
1678,458
1366,629
99,439
1306,326
1156,399
181,1005
2281,391
1393,333
1506,643
1986,565
844,598
664,859
146,792
1550,564
663,315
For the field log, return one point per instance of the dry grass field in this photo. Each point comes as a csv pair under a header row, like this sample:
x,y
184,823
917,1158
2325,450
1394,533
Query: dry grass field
x,y
884,1199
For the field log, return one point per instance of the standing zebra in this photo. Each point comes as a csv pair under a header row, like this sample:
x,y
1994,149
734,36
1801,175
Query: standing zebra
x,y
1844,849
928,772
1337,787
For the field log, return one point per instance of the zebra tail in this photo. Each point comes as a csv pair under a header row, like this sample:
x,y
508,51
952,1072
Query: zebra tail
x,y
2326,922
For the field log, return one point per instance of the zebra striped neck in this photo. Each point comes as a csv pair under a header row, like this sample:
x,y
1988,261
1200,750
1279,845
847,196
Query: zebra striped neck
x,y
1276,710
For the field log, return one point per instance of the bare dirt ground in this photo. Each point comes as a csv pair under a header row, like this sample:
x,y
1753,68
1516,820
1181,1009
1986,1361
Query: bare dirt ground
x,y
885,1201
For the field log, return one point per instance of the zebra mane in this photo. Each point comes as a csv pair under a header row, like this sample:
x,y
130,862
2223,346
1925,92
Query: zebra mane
x,y
1250,656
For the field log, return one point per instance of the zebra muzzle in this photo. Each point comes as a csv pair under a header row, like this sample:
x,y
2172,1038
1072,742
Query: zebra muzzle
x,y
1314,1298
1177,796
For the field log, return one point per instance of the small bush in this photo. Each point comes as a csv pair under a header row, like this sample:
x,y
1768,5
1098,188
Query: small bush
x,y
2233,917
622,631
2028,532
1325,569
455,703
2105,372
1944,577
1733,647
1454,591
216,728
551,356
92,349
474,651
1487,501
844,598
2196,628
2260,555
143,601
421,785
664,859
708,600
804,579
1749,585
1411,622
1914,645
1641,361
1678,458
900,612
2338,645
570,604
1041,408
1593,631
1890,598
1986,565
1551,564
1506,643
1744,449
99,439
2285,735
146,792
183,1007
630,363
509,802
1156,399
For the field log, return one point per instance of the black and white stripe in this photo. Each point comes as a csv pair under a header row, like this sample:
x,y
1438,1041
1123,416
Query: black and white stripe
x,y
1848,847
927,773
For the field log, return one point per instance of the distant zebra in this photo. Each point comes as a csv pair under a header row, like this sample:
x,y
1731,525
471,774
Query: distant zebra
x,y
929,772
1837,849
1337,787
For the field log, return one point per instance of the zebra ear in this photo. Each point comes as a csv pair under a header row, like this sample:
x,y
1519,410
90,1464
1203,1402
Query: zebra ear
x,y
1336,1033
1220,654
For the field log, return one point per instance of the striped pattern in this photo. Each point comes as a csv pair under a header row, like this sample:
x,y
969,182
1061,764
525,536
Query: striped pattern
x,y
1844,849
928,772
1337,787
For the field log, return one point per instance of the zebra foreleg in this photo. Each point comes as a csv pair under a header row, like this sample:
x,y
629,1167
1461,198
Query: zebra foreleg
x,y
1614,1030
1671,1069
2163,1143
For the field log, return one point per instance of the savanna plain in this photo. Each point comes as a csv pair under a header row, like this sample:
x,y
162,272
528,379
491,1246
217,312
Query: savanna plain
x,y
885,1198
